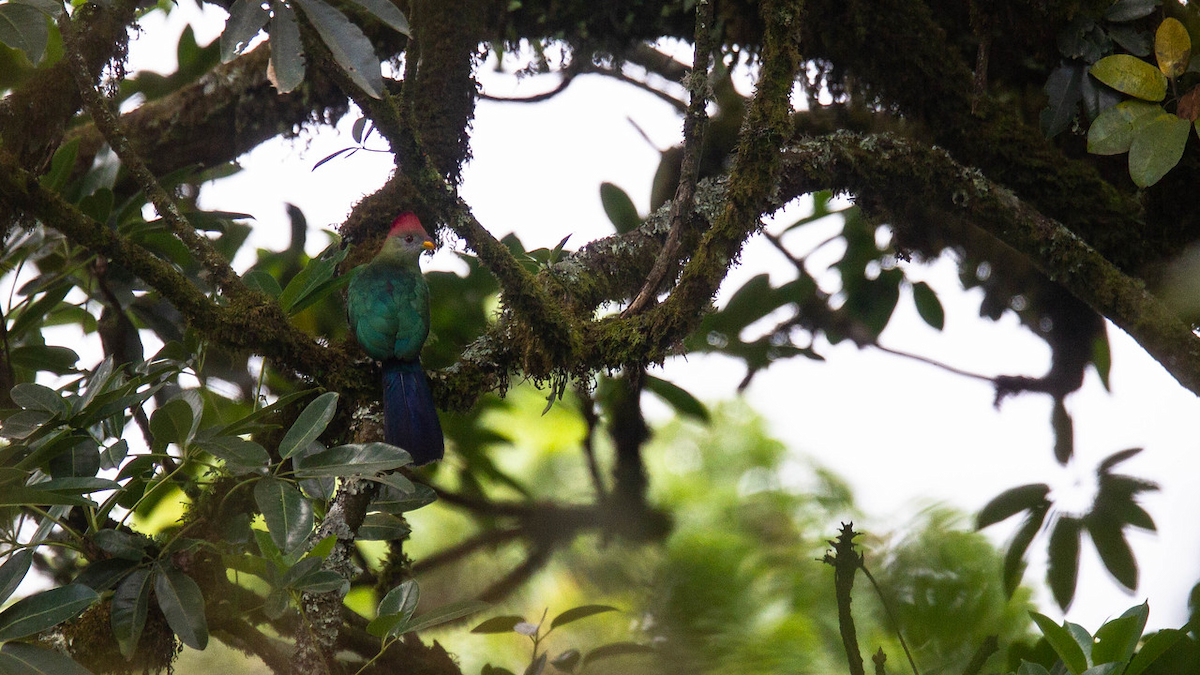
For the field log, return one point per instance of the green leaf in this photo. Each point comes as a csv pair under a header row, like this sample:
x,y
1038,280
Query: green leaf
x,y
401,600
44,610
130,605
538,665
13,571
350,48
1131,75
1114,550
237,453
15,495
358,459
289,516
19,658
619,208
61,166
286,68
182,603
444,614
23,27
1030,668
57,360
1172,47
121,544
928,305
172,422
1063,91
246,19
1105,669
386,12
1102,358
321,581
677,397
1064,431
392,499
582,612
498,624
261,280
309,424
104,574
1153,648
1063,643
382,527
1117,639
617,649
315,274
1011,502
1130,10
1157,147
1013,557
37,397
1063,569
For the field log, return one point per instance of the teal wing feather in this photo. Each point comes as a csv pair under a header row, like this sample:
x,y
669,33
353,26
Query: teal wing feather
x,y
388,308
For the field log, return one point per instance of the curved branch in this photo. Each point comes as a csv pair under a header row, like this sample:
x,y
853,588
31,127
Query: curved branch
x,y
911,179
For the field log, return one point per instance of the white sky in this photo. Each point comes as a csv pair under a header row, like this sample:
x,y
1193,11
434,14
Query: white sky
x,y
870,416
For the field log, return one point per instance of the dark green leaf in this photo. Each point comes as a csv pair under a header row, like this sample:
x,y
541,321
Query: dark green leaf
x,y
928,305
619,208
677,397
1063,643
1102,358
37,397
1014,566
1064,431
19,658
24,423
182,603
81,458
237,453
16,495
444,614
489,669
78,485
286,69
251,422
1136,41
261,280
1063,569
1105,669
122,544
112,456
386,12
60,166
1114,550
319,293
173,422
1011,502
582,612
246,19
57,360
1029,668
1116,458
1153,648
104,574
130,604
1117,639
1157,147
538,665
566,661
382,527
321,581
315,274
357,459
309,424
498,624
44,610
1129,10
393,500
401,600
23,27
616,649
288,515
1063,90
13,571
349,47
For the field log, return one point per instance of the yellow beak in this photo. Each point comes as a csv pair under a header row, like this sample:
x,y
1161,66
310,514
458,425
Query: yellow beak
x,y
428,245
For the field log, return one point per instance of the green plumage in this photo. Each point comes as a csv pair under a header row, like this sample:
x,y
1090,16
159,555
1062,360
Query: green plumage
x,y
388,304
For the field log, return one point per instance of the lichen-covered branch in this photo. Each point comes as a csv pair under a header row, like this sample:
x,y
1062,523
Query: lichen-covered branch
x,y
910,179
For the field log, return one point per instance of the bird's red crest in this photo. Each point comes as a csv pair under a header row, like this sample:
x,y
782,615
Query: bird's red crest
x,y
407,223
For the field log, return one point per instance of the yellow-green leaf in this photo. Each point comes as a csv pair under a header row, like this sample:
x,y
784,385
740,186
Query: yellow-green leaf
x,y
1112,131
1131,75
1172,47
1157,147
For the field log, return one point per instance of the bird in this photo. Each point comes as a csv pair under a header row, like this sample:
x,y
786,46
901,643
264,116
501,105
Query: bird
x,y
387,305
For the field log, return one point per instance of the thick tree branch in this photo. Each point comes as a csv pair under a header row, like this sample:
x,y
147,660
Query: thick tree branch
x,y
910,179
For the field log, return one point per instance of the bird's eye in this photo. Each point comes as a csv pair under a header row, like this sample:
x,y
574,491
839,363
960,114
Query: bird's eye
x,y
409,239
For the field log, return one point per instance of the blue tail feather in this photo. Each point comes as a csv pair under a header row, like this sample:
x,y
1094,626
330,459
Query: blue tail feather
x,y
410,419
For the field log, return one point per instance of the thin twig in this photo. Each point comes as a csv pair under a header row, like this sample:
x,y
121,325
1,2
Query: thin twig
x,y
105,119
587,407
694,123
887,608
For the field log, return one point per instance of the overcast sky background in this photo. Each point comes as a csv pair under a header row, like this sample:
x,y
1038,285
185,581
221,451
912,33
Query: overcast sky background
x,y
932,437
